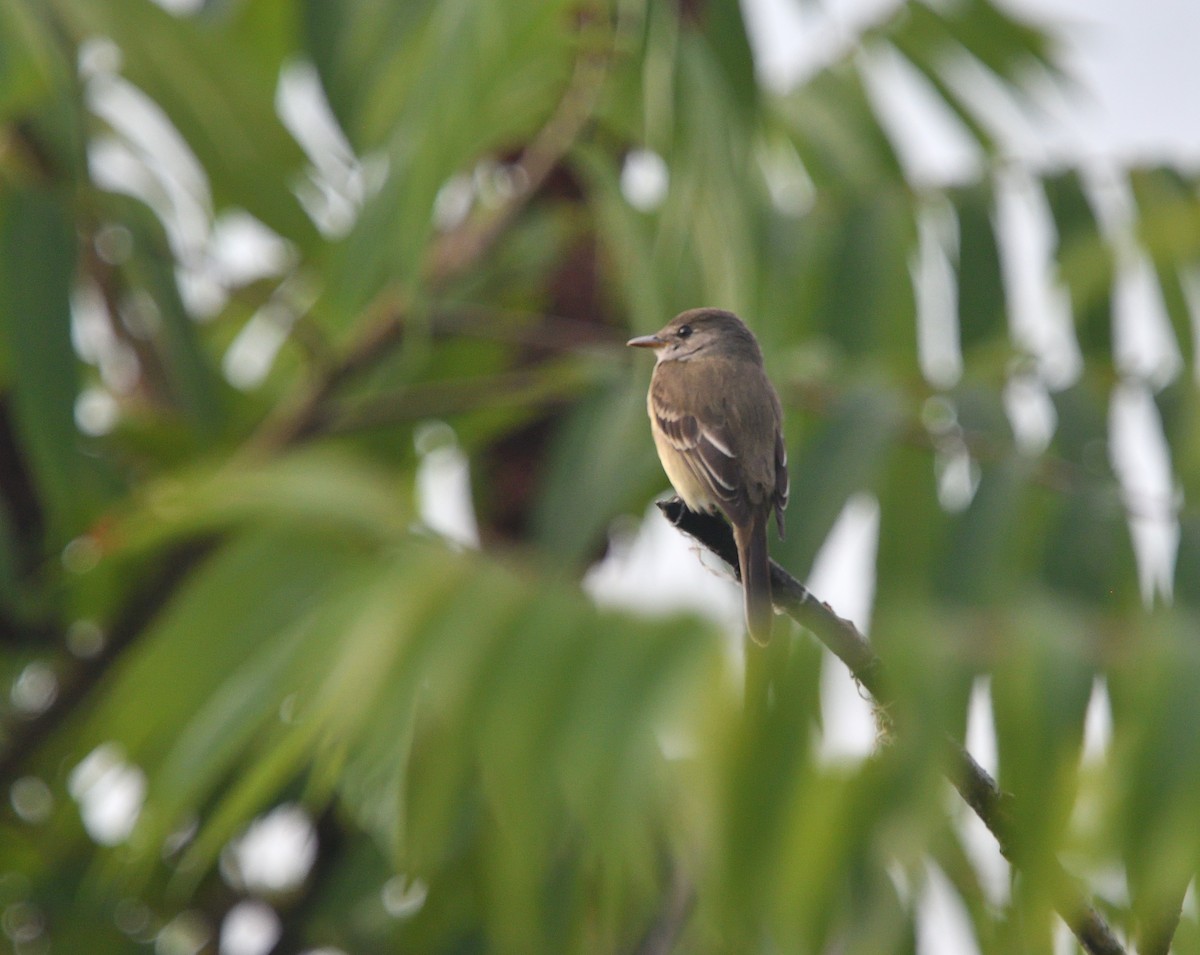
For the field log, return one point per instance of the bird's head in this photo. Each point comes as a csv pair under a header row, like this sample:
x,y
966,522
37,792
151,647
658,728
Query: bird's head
x,y
701,331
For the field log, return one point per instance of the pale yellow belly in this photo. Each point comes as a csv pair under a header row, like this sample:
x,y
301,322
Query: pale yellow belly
x,y
694,493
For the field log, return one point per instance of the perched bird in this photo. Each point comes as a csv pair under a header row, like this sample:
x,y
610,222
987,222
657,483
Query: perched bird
x,y
717,424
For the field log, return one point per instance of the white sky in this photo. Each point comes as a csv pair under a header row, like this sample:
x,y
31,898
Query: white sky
x,y
1134,62
1138,73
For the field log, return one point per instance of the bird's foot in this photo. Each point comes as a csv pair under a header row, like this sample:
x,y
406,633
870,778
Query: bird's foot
x,y
673,509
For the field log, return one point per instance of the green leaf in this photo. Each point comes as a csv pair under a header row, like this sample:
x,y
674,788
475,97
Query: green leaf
x,y
909,549
1168,228
981,564
1186,587
982,312
986,557
1088,550
843,457
342,663
625,235
313,488
774,745
219,96
868,305
1004,43
1041,687
600,463
725,33
266,28
37,266
250,590
359,50
706,220
27,70
1152,774
192,381
1086,263
837,134
1179,409
464,80
922,40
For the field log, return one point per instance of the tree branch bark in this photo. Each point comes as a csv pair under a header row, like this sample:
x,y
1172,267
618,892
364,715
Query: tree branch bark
x,y
973,783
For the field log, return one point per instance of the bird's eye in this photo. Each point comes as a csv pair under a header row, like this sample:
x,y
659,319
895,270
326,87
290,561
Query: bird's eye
x,y
685,331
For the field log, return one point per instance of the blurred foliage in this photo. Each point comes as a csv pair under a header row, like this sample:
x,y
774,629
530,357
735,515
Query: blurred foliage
x,y
216,594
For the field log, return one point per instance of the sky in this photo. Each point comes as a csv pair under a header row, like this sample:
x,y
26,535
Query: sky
x,y
1137,70
1133,63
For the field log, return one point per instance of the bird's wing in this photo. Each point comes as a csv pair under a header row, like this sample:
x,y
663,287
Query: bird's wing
x,y
708,453
783,484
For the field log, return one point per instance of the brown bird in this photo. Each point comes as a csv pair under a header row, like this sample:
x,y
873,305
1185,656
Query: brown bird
x,y
718,427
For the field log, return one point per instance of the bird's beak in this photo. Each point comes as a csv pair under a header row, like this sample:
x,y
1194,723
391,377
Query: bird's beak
x,y
646,341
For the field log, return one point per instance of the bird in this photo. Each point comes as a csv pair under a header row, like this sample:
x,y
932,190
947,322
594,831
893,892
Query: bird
x,y
718,428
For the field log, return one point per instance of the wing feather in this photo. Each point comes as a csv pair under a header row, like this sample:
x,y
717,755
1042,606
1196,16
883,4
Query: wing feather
x,y
709,447
709,455
783,483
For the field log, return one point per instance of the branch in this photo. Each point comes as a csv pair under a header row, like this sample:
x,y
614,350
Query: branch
x,y
462,248
455,252
523,389
977,788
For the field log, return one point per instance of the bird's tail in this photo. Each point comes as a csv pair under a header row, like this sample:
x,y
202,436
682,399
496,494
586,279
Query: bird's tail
x,y
755,567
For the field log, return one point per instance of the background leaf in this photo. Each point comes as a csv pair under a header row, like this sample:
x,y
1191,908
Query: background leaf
x,y
37,263
365,277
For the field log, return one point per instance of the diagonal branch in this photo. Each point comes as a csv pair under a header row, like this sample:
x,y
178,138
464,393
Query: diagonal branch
x,y
973,783
455,252
458,250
